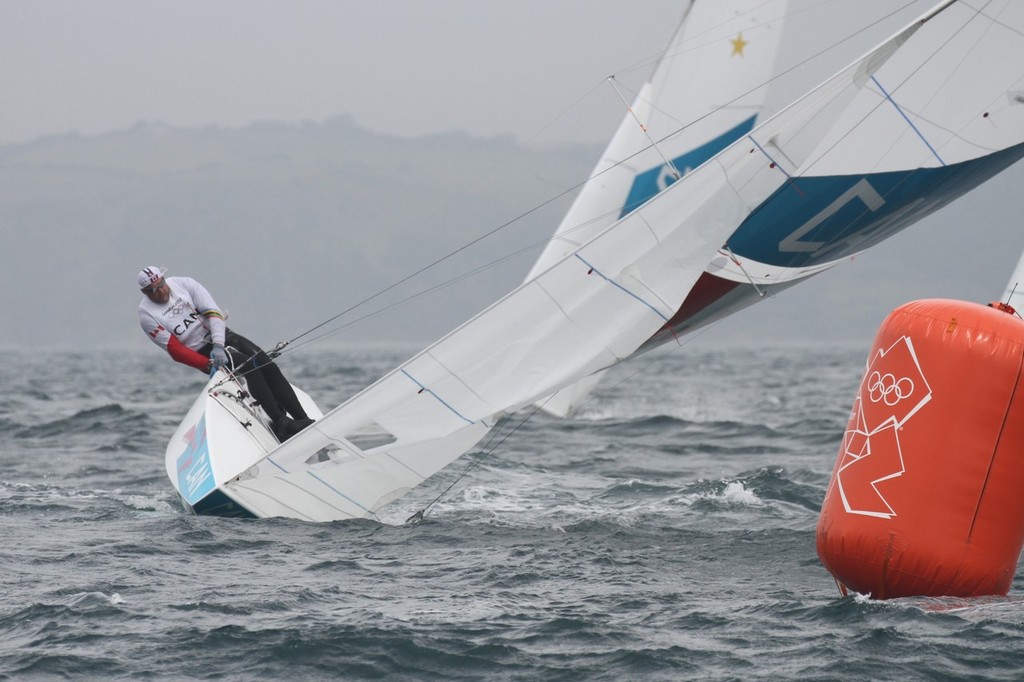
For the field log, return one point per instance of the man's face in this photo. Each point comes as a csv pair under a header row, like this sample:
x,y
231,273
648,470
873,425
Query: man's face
x,y
158,292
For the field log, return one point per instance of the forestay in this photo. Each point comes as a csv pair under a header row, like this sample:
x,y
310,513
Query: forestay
x,y
586,312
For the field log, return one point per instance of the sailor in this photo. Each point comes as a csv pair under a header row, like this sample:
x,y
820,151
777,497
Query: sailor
x,y
179,315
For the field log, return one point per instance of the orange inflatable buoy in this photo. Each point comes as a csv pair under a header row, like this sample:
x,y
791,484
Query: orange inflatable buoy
x,y
927,494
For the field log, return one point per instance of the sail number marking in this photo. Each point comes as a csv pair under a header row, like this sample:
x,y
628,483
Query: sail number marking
x,y
862,191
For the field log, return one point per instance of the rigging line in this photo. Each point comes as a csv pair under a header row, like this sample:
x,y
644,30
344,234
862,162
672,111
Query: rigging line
x,y
234,375
536,134
281,346
472,242
647,134
449,282
580,184
438,286
441,285
518,150
734,259
279,349
418,516
440,260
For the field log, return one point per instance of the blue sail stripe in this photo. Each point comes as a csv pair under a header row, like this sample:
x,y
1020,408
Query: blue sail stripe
x,y
907,119
647,184
620,287
436,397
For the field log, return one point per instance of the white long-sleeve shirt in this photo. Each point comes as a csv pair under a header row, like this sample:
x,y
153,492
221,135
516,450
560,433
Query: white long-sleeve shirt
x,y
188,321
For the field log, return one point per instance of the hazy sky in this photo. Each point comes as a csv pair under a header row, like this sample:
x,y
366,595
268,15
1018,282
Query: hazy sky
x,y
534,69
398,66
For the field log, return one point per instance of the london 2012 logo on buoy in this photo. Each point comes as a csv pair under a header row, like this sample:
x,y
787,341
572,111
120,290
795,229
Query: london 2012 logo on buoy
x,y
894,388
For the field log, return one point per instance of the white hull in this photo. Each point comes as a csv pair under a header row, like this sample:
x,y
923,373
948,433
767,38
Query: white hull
x,y
221,421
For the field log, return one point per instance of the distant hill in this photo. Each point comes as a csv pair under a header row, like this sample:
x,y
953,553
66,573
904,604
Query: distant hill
x,y
291,225
287,225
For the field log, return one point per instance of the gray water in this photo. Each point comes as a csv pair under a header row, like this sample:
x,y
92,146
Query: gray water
x,y
665,533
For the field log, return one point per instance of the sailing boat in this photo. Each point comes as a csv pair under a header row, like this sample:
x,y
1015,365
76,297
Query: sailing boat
x,y
923,118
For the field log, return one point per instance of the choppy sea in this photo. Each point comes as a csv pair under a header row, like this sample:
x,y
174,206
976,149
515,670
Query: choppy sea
x,y
665,533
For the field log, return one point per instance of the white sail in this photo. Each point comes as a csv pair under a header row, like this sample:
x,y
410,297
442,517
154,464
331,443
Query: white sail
x,y
586,312
1013,293
707,91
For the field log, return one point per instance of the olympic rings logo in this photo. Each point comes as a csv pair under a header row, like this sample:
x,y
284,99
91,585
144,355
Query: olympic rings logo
x,y
178,308
885,387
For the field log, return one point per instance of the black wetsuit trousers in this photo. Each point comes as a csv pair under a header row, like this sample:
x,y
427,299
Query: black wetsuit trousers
x,y
266,384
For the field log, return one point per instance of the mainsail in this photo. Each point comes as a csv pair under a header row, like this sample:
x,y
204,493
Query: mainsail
x,y
927,115
707,91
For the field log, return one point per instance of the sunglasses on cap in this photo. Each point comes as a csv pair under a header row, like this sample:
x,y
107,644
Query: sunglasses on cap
x,y
153,287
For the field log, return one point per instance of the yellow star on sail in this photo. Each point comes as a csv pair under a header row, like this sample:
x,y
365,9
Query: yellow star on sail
x,y
738,43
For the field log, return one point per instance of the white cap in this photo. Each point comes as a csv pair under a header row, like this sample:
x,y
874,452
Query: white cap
x,y
150,275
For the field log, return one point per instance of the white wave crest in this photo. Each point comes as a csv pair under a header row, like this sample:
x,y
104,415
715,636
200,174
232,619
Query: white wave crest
x,y
737,493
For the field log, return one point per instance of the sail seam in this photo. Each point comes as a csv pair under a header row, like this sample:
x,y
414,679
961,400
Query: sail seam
x,y
619,286
436,397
